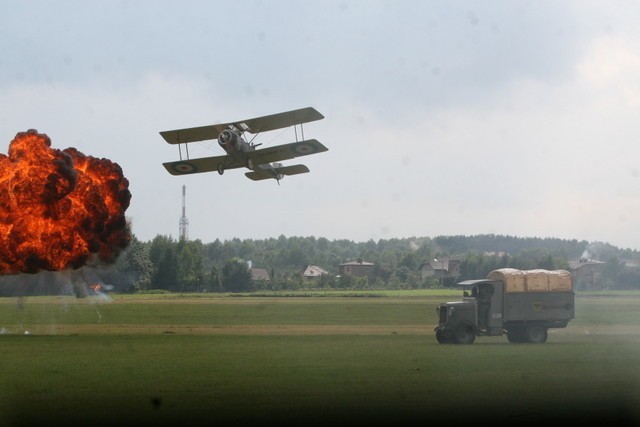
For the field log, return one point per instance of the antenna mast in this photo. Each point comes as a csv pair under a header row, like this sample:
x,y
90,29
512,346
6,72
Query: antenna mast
x,y
184,222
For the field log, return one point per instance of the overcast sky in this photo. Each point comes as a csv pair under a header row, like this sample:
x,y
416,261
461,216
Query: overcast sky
x,y
441,117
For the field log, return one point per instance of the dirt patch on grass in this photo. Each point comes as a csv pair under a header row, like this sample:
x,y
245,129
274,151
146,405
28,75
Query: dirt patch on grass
x,y
97,329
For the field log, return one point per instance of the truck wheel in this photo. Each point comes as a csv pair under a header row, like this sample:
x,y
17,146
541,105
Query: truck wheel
x,y
536,334
463,335
516,335
442,338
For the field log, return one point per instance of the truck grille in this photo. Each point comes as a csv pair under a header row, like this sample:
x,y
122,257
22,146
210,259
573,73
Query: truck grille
x,y
443,314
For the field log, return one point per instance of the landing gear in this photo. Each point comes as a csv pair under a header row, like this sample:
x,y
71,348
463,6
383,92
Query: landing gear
x,y
249,164
220,168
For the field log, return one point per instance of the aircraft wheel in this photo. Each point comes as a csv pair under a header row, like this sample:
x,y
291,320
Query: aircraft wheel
x,y
250,164
220,168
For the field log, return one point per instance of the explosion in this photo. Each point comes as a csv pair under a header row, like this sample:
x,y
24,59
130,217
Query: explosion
x,y
59,209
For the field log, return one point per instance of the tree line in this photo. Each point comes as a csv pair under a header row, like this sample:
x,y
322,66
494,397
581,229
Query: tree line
x,y
222,266
167,264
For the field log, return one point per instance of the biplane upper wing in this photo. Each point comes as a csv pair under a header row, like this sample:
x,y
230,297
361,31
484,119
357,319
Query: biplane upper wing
x,y
286,151
204,164
202,133
256,125
280,120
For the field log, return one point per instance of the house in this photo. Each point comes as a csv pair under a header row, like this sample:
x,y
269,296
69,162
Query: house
x,y
258,274
357,268
586,272
313,271
441,268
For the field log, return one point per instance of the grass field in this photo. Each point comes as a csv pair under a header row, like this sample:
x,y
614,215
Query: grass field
x,y
322,358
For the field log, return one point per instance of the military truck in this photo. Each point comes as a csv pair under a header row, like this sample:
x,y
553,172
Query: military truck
x,y
523,304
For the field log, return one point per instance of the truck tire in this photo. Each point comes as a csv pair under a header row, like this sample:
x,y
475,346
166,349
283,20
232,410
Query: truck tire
x,y
516,335
464,335
536,334
442,338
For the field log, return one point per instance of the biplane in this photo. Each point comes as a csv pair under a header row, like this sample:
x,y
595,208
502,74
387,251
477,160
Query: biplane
x,y
263,163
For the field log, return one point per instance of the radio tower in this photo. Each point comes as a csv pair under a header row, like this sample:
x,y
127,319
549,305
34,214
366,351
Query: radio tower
x,y
184,222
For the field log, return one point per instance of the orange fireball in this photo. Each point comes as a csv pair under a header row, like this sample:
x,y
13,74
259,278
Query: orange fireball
x,y
59,209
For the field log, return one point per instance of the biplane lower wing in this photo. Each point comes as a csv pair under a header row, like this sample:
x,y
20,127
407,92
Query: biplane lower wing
x,y
266,173
257,157
204,164
286,151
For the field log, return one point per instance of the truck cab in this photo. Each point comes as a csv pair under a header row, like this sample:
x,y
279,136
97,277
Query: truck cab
x,y
479,313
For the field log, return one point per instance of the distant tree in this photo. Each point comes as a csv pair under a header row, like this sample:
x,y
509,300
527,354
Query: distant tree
x,y
286,255
190,270
236,276
611,273
137,265
402,273
158,246
326,281
166,275
162,253
362,282
291,281
346,281
628,279
214,282
409,260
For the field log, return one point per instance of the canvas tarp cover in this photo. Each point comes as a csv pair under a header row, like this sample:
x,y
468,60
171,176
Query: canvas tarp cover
x,y
533,280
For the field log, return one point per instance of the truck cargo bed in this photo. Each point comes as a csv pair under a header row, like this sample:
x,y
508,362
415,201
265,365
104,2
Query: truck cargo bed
x,y
538,306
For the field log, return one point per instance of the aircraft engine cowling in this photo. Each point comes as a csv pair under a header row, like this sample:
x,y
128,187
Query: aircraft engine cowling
x,y
227,138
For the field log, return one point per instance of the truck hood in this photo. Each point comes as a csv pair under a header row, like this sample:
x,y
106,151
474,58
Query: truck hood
x,y
459,303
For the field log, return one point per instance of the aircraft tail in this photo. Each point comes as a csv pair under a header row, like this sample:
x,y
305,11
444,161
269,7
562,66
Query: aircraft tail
x,y
293,170
276,172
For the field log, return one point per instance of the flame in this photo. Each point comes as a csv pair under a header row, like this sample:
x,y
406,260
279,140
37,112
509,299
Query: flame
x,y
59,209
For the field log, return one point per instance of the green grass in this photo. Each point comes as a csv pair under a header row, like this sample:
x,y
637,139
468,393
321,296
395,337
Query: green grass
x,y
588,371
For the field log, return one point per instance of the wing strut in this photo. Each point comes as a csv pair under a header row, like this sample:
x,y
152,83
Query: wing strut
x,y
295,129
254,137
186,147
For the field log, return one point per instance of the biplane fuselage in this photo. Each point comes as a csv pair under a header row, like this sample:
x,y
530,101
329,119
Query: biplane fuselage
x,y
234,144
240,153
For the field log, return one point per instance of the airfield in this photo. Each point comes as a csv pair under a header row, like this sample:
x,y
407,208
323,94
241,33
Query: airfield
x,y
313,358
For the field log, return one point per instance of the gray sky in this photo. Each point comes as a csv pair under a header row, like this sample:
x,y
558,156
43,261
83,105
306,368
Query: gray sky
x,y
441,117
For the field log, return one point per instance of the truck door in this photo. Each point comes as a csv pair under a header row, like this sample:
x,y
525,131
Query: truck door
x,y
489,305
